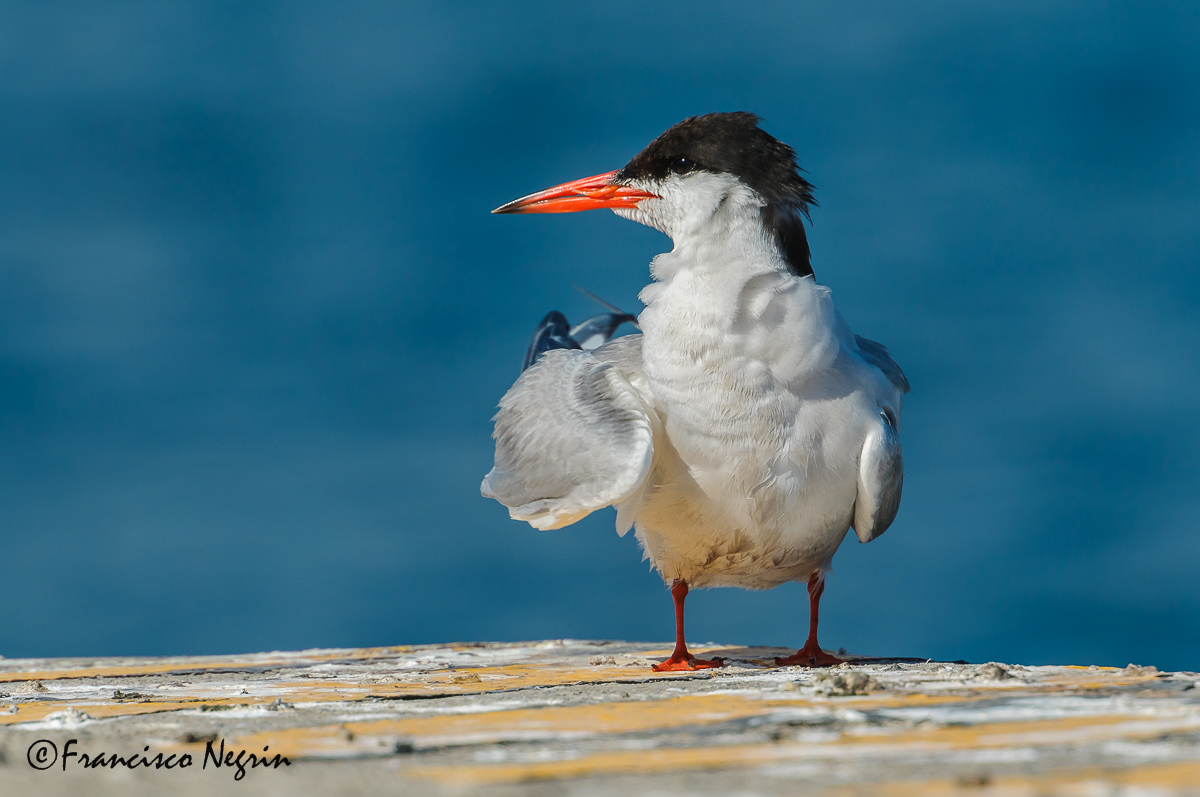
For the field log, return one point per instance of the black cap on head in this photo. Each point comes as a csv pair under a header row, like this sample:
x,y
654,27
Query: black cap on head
x,y
733,143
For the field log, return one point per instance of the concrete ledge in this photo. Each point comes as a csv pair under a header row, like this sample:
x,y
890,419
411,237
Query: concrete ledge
x,y
585,718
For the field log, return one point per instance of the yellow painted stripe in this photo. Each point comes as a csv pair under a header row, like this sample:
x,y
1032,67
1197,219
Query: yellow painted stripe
x,y
937,740
1178,777
183,665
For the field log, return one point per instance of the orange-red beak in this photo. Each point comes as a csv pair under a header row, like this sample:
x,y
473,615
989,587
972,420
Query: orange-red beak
x,y
586,194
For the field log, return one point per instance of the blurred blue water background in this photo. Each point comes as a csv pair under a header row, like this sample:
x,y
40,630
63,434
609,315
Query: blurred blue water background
x,y
255,317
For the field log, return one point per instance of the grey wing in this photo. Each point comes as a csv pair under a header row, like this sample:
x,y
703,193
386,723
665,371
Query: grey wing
x,y
880,481
877,355
572,436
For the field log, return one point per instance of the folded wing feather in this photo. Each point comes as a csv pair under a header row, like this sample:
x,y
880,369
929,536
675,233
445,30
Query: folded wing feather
x,y
880,466
880,482
572,436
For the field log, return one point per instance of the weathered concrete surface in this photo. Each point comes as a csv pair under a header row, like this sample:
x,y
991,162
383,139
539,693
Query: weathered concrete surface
x,y
582,718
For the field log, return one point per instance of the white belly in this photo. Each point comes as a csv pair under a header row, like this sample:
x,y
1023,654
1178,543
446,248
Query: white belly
x,y
755,505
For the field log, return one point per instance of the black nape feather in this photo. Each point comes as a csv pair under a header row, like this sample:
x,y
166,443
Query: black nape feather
x,y
733,143
790,236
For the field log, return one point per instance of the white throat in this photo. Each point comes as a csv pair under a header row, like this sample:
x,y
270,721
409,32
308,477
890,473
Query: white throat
x,y
723,299
715,223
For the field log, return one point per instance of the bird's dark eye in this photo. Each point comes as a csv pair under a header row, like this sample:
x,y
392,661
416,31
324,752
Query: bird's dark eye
x,y
681,165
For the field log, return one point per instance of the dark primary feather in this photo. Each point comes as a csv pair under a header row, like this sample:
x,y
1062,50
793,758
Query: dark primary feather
x,y
733,143
877,355
556,332
600,326
553,333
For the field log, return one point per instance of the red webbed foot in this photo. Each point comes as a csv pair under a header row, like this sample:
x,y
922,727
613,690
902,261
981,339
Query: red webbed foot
x,y
681,659
809,656
686,661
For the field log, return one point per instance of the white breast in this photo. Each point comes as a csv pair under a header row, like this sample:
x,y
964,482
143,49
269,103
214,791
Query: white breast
x,y
762,412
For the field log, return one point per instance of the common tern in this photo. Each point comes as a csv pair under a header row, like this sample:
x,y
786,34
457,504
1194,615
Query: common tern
x,y
746,429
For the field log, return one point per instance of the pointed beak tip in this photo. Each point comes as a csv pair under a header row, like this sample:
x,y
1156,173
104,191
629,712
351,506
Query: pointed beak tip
x,y
586,194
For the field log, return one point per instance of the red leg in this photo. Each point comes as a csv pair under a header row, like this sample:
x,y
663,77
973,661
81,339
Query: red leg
x,y
811,654
681,659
